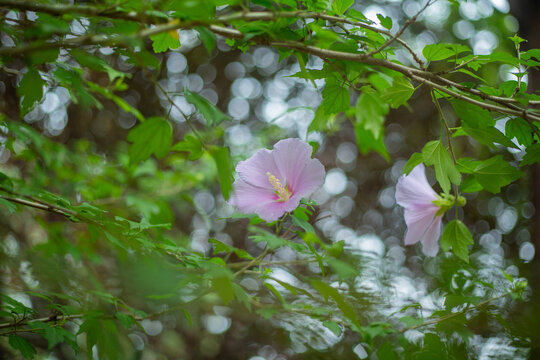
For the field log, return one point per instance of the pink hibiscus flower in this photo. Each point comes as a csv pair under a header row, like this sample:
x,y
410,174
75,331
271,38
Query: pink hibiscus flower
x,y
421,214
272,182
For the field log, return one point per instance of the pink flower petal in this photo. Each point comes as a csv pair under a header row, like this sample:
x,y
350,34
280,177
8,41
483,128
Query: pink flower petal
x,y
248,198
291,163
417,221
311,176
414,193
414,188
273,211
430,240
291,156
254,169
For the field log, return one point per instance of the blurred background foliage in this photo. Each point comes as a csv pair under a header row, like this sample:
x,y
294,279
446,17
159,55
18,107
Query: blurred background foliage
x,y
138,283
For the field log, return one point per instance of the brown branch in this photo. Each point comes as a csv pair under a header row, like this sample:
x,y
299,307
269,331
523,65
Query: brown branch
x,y
40,205
43,319
508,104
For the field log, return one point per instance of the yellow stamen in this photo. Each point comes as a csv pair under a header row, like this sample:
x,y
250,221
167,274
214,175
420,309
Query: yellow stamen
x,y
281,191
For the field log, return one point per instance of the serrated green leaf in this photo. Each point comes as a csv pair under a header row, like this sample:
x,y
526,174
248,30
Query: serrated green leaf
x,y
436,52
472,116
520,129
470,185
208,39
434,153
335,96
340,6
191,144
371,111
164,41
415,160
209,111
367,142
386,352
341,268
153,136
223,287
398,94
222,159
96,63
458,237
19,343
488,136
532,155
386,21
495,173
126,320
30,90
328,291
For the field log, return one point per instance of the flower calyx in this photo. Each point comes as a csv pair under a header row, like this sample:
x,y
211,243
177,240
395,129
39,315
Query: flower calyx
x,y
447,201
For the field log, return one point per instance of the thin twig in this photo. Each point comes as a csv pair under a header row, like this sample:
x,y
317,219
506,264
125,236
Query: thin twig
x,y
453,315
400,32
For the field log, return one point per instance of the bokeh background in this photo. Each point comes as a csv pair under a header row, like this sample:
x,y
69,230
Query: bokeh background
x,y
356,204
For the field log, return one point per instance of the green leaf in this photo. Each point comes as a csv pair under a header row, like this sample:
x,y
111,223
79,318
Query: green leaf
x,y
520,129
222,159
386,21
398,94
121,103
96,63
386,352
30,90
532,155
489,136
153,136
436,52
126,320
274,291
367,142
222,247
300,219
223,287
472,116
333,327
434,153
340,6
54,335
335,96
516,39
191,144
73,82
210,112
272,241
164,41
371,111
470,185
415,160
341,268
19,343
208,39
328,291
457,236
495,173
